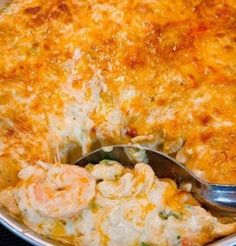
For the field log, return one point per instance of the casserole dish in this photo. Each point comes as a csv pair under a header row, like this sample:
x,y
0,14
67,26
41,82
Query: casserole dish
x,y
46,116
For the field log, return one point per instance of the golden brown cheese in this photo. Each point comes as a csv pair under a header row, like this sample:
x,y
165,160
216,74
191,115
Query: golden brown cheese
x,y
75,75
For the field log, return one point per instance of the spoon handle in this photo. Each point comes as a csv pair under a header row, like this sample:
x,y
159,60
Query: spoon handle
x,y
218,197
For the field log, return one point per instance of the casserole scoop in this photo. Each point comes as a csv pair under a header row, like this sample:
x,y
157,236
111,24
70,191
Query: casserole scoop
x,y
219,198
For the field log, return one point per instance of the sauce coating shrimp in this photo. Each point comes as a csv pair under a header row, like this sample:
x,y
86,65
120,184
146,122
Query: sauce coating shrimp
x,y
59,192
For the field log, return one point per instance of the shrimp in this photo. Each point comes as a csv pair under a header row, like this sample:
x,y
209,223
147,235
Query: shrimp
x,y
59,191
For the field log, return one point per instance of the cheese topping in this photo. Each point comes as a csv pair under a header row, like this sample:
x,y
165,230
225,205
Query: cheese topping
x,y
76,75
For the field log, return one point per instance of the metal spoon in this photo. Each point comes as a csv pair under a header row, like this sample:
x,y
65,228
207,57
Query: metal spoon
x,y
219,198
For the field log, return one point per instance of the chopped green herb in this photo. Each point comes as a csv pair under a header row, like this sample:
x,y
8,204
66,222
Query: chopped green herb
x,y
144,244
89,167
178,237
105,161
187,205
93,205
165,215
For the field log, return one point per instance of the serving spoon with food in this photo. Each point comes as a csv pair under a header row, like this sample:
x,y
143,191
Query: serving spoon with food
x,y
219,198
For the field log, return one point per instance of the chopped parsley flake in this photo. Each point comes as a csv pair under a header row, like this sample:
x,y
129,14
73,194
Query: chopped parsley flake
x,y
144,244
165,215
89,167
94,206
105,161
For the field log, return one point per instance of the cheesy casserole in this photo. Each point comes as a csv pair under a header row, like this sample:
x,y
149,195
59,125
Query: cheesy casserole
x,y
79,74
109,205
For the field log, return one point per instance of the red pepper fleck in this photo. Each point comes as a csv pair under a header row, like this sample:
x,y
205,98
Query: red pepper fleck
x,y
132,132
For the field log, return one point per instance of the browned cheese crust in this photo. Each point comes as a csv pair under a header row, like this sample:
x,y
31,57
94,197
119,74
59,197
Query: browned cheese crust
x,y
161,73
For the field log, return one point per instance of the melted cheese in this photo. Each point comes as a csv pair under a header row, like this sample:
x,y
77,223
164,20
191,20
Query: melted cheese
x,y
75,75
130,207
67,82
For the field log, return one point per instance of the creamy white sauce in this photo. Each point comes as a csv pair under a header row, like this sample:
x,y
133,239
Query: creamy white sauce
x,y
128,209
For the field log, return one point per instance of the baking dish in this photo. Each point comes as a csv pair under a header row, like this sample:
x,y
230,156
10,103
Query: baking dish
x,y
33,238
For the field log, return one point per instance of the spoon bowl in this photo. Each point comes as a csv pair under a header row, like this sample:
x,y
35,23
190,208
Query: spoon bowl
x,y
219,198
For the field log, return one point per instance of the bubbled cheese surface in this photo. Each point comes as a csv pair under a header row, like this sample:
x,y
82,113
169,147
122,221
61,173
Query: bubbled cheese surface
x,y
75,75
